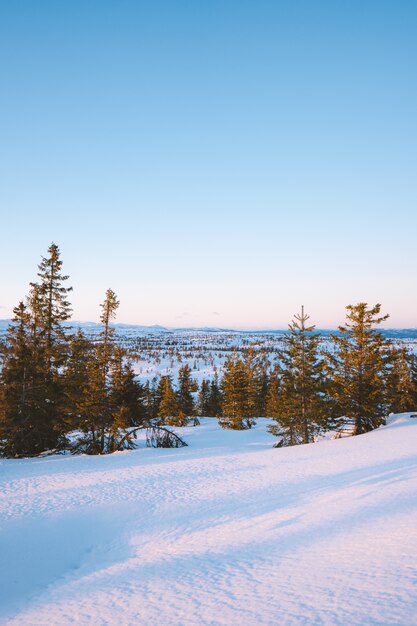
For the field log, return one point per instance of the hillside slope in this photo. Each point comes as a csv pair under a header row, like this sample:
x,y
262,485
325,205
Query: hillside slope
x,y
228,531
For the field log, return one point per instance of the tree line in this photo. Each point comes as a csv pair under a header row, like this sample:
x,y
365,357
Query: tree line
x,y
62,391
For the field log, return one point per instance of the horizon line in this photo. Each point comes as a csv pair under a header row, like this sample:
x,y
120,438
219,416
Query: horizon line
x,y
232,329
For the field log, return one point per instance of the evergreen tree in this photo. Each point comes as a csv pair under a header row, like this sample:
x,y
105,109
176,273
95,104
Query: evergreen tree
x,y
25,426
185,398
299,410
402,381
273,397
126,393
77,376
46,344
203,403
262,387
92,410
358,367
257,384
106,346
168,407
152,400
237,396
101,421
215,402
50,307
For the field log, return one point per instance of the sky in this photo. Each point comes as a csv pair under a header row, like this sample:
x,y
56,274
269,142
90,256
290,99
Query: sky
x,y
215,163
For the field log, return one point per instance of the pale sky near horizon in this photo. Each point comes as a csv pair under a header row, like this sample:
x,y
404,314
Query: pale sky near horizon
x,y
215,163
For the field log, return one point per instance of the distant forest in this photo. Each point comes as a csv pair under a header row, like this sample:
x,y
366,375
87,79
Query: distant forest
x,y
63,391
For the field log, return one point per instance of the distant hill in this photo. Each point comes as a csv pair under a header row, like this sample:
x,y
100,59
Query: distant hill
x,y
138,329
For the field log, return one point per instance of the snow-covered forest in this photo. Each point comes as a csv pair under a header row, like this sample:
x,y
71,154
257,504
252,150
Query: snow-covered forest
x,y
91,389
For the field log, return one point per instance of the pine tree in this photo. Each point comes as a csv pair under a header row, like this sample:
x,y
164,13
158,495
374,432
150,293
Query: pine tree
x,y
151,400
168,407
50,307
263,387
77,376
237,406
358,367
402,381
185,398
299,411
203,403
108,314
274,392
126,393
25,427
215,402
46,342
257,384
98,415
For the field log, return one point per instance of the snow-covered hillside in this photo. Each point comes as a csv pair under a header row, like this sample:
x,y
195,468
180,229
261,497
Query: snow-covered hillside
x,y
227,531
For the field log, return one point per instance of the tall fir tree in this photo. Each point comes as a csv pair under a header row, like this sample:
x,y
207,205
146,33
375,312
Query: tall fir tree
x,y
46,342
126,393
50,307
273,397
77,376
101,421
215,401
151,400
185,398
358,367
168,407
237,406
299,413
257,383
106,345
203,402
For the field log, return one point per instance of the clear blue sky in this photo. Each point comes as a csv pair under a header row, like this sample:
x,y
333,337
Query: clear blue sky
x,y
216,163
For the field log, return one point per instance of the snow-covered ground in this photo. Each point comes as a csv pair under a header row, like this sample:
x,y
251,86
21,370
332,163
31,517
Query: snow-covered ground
x,y
225,531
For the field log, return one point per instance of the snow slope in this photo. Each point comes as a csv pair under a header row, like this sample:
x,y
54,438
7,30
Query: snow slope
x,y
226,531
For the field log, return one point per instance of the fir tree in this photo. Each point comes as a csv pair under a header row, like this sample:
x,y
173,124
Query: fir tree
x,y
108,314
358,367
126,393
77,376
46,342
101,420
203,402
272,408
185,398
215,402
402,381
168,407
151,400
25,425
257,384
50,307
237,405
299,411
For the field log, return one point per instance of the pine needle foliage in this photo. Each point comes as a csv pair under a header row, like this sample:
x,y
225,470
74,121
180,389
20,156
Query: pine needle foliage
x,y
238,395
33,411
359,367
298,409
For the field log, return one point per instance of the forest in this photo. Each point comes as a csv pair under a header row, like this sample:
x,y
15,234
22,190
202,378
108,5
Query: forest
x,y
64,391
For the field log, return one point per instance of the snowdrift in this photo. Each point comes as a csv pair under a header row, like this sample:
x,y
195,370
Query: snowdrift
x,y
226,531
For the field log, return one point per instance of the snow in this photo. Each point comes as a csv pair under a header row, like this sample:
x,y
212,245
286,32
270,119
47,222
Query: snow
x,y
226,531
